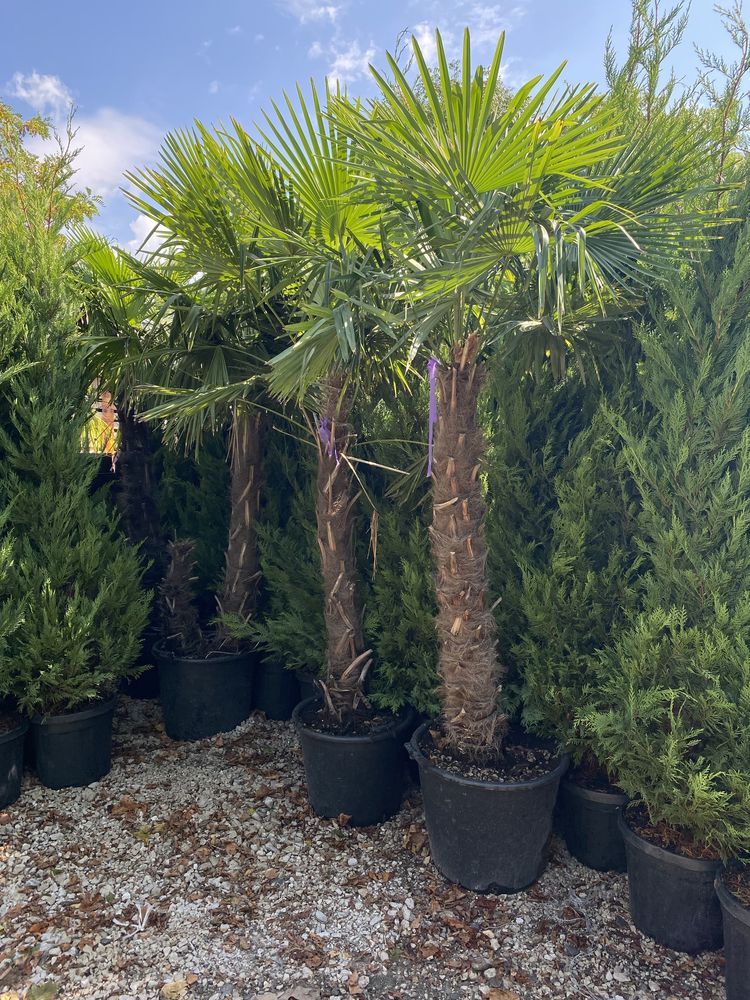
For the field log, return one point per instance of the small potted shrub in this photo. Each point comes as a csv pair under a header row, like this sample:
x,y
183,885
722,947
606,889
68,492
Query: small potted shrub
x,y
571,600
78,580
674,727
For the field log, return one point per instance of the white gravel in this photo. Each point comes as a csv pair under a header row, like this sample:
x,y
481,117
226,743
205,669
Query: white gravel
x,y
198,871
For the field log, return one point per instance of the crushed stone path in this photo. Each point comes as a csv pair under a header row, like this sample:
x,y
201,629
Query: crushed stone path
x,y
199,871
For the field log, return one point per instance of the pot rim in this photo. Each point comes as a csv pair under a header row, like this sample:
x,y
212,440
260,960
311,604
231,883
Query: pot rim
x,y
663,853
13,734
593,794
729,901
160,653
415,752
393,733
101,708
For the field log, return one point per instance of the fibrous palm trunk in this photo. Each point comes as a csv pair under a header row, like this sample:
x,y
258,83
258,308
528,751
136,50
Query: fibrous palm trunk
x,y
335,502
466,629
242,570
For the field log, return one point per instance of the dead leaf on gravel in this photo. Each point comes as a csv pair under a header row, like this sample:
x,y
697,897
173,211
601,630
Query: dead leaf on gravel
x,y
44,991
9,996
191,979
343,819
503,995
174,990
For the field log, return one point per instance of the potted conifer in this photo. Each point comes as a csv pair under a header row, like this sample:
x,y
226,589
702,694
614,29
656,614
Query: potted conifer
x,y
572,596
77,579
499,198
733,890
672,718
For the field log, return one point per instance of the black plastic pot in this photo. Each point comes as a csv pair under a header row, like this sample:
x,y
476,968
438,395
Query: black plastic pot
x,y
487,836
73,749
589,821
275,690
672,898
11,763
736,918
359,776
203,697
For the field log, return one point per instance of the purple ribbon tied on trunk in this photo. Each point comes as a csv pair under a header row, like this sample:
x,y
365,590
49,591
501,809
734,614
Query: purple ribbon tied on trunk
x,y
324,433
432,366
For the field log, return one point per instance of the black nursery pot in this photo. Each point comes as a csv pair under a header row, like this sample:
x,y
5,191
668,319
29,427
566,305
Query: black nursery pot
x,y
736,918
672,898
11,763
73,749
589,820
359,776
487,836
276,690
203,697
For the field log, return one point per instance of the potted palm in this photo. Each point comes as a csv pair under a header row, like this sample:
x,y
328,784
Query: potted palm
x,y
340,342
79,582
496,200
209,336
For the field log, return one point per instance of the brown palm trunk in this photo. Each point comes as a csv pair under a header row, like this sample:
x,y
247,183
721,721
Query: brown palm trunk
x,y
242,572
466,629
335,501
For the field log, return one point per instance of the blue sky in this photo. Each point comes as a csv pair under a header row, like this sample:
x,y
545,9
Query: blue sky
x,y
136,70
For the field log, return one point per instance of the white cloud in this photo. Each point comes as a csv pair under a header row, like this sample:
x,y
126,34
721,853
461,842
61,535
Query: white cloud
x,y
110,142
259,37
310,10
213,87
45,93
315,51
425,36
146,237
235,30
350,62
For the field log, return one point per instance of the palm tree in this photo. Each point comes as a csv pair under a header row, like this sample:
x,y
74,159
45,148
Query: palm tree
x,y
220,314
334,247
489,210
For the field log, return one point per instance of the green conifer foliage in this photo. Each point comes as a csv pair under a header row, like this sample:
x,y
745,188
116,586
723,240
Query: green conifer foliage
x,y
531,420
673,717
573,598
400,616
78,581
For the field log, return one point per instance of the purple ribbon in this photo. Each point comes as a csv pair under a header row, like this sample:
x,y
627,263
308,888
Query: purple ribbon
x,y
432,366
324,433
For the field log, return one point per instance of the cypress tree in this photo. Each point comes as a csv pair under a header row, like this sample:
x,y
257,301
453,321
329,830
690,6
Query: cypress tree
x,y
673,716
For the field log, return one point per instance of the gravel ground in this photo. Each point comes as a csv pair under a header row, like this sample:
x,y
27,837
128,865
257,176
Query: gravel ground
x,y
198,871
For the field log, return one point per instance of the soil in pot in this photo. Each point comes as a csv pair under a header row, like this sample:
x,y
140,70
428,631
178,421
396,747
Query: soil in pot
x,y
276,690
733,891
588,811
12,738
488,825
359,773
672,895
206,696
74,748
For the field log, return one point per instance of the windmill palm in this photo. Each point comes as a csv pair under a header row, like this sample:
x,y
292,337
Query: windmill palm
x,y
219,314
334,248
538,219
